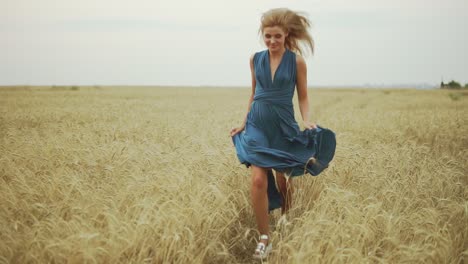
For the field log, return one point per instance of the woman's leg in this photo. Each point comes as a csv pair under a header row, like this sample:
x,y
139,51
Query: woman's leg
x,y
260,199
286,190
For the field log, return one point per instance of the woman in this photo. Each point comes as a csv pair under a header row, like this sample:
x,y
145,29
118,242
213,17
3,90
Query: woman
x,y
269,137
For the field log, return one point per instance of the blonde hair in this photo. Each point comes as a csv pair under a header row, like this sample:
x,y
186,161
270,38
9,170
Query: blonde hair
x,y
295,24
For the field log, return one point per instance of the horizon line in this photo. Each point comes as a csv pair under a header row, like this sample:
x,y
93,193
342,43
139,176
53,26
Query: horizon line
x,y
370,86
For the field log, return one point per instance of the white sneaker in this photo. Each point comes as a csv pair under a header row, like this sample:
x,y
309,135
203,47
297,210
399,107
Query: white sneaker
x,y
262,251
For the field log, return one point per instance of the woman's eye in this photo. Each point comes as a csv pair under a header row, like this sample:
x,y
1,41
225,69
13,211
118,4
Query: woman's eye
x,y
278,36
267,36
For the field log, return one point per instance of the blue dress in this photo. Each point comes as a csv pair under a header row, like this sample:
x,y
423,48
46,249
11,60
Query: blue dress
x,y
272,138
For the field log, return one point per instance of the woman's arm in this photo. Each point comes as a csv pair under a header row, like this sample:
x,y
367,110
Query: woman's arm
x,y
253,84
302,97
236,130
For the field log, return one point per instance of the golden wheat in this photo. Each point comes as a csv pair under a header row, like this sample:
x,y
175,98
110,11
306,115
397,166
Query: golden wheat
x,y
150,175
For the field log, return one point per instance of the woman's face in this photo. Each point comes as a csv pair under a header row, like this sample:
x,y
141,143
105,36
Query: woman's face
x,y
274,38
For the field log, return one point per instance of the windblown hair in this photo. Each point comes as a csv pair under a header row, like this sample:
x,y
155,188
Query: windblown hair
x,y
293,23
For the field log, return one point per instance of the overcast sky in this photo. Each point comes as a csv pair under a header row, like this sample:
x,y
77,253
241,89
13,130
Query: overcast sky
x,y
209,42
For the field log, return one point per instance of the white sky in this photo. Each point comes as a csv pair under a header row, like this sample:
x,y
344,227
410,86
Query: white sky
x,y
208,42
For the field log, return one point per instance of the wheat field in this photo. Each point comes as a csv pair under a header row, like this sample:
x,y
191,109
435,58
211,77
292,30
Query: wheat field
x,y
150,175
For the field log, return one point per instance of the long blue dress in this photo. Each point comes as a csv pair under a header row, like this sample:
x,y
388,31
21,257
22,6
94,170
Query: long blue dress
x,y
272,138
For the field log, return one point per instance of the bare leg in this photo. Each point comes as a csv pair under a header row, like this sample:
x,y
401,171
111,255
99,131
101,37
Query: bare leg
x,y
260,199
286,190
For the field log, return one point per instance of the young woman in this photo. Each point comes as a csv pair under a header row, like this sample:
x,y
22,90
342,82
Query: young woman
x,y
270,138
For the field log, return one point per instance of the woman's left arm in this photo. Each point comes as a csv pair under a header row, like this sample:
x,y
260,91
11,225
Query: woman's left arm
x,y
302,97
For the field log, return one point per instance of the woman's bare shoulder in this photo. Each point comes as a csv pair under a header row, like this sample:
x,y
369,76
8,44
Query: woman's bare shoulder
x,y
252,57
300,60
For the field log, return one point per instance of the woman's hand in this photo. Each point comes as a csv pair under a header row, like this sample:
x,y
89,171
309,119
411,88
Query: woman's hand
x,y
310,125
236,130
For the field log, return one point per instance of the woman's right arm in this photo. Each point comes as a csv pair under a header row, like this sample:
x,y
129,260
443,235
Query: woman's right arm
x,y
236,130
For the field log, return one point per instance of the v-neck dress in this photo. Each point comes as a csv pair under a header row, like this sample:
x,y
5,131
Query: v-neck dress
x,y
272,138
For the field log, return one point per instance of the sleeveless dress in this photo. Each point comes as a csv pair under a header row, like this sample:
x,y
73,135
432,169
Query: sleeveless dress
x,y
272,138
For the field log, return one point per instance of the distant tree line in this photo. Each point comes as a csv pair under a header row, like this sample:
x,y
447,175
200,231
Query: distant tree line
x,y
452,85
